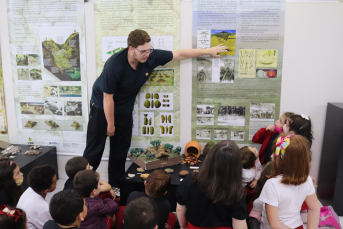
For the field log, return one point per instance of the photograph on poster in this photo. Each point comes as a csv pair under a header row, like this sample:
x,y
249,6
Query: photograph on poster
x,y
32,108
225,37
227,70
203,134
23,73
70,91
220,134
205,120
61,51
73,108
34,60
231,115
266,73
147,123
205,110
203,39
262,111
36,74
204,73
162,77
246,64
267,58
22,59
237,135
50,91
53,108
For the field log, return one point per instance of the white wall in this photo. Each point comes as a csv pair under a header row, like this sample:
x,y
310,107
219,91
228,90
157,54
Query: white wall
x,y
312,74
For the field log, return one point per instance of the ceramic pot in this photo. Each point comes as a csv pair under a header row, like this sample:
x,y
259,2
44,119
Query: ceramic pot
x,y
193,148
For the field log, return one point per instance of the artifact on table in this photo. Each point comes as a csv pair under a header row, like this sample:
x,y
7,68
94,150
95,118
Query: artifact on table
x,y
34,147
208,148
30,124
144,175
131,175
140,170
76,125
52,124
169,170
12,149
192,153
4,145
183,173
32,152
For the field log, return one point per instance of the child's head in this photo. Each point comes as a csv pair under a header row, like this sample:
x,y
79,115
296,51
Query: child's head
x,y
248,156
141,213
265,175
283,120
157,183
75,165
11,179
86,182
12,218
68,208
301,125
42,179
291,159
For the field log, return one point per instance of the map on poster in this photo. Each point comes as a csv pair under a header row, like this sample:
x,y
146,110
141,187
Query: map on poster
x,y
156,114
47,44
237,94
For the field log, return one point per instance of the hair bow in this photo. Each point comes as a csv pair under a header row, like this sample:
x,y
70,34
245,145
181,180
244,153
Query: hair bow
x,y
305,117
14,214
281,144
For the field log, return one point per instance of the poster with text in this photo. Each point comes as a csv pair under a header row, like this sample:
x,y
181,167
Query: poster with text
x,y
156,114
235,95
48,58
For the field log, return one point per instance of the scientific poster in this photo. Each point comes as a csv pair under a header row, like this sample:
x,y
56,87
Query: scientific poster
x,y
156,114
235,95
48,55
3,120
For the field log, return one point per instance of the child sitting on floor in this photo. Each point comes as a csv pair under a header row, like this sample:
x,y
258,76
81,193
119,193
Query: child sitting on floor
x,y
12,218
77,164
68,209
87,183
252,167
156,186
42,180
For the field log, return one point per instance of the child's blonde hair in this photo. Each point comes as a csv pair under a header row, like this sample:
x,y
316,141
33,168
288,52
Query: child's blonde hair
x,y
294,164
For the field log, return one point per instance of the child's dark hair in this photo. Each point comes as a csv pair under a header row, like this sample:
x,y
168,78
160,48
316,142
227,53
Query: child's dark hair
x,y
65,206
13,220
157,183
86,181
301,125
75,165
141,213
41,177
7,182
267,170
248,158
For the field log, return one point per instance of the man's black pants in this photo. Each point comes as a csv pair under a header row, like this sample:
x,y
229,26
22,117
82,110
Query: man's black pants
x,y
119,143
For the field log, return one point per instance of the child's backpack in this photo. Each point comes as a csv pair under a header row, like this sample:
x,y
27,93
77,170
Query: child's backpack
x,y
328,218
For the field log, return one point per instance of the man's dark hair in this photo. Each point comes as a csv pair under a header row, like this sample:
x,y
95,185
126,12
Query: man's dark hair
x,y
248,158
41,177
138,37
65,206
86,181
75,165
141,213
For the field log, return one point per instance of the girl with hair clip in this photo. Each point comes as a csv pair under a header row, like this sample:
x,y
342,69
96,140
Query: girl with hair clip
x,y
10,183
12,218
214,197
301,125
289,186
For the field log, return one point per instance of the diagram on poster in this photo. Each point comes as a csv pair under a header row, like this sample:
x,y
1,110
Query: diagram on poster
x,y
267,58
147,123
156,101
166,124
60,48
161,77
246,64
52,125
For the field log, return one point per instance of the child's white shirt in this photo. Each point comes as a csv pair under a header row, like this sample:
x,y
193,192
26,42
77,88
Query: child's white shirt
x,y
257,209
287,198
248,175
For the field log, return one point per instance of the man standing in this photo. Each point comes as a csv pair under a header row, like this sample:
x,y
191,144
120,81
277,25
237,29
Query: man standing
x,y
114,94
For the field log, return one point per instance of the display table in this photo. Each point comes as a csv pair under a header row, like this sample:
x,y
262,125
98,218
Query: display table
x,y
128,185
27,162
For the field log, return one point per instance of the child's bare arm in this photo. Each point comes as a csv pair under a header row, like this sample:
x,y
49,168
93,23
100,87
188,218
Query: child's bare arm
x,y
104,186
313,211
181,215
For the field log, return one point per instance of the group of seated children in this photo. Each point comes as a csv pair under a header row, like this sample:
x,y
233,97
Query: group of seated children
x,y
212,197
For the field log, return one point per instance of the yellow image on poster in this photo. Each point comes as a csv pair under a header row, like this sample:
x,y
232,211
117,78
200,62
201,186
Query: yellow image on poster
x,y
246,64
267,58
225,37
